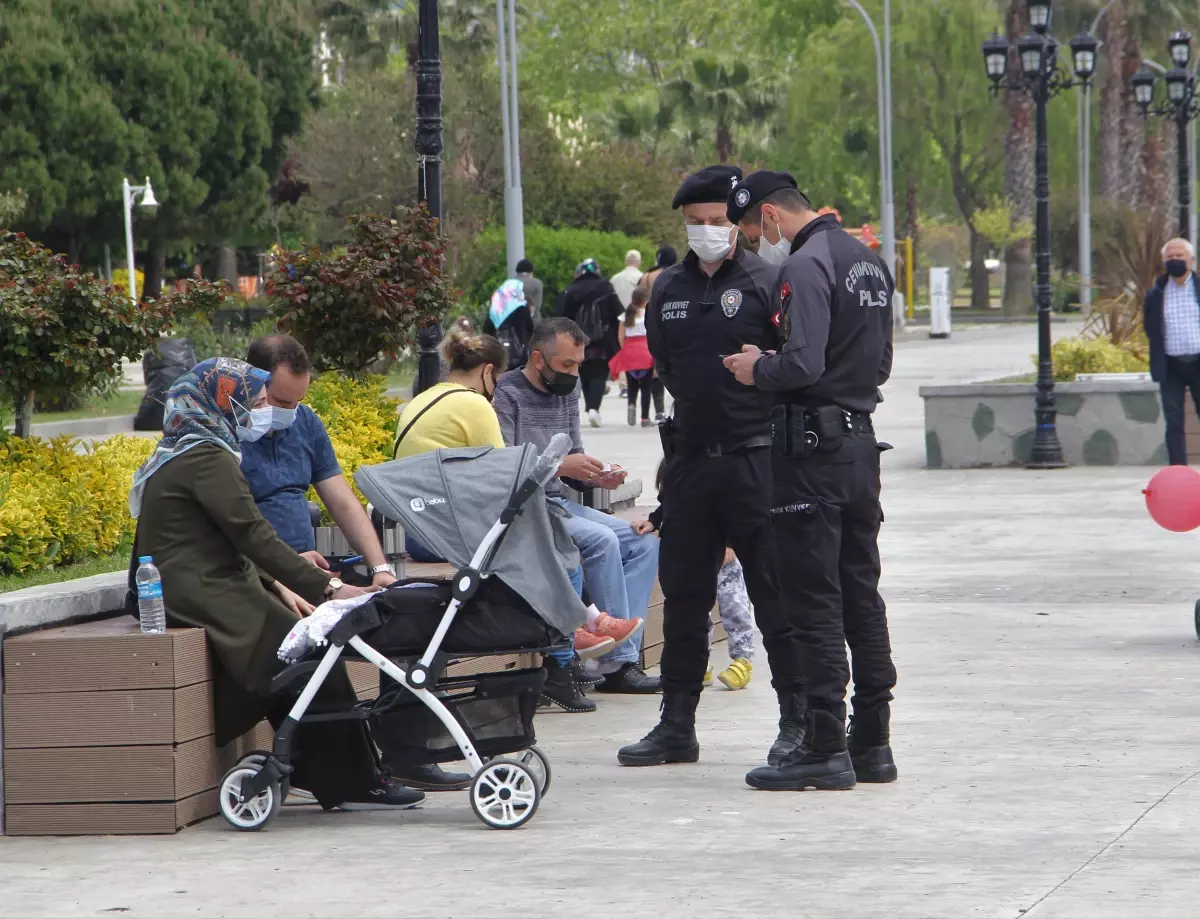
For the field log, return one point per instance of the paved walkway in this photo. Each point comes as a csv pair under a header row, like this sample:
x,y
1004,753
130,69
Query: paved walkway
x,y
1045,730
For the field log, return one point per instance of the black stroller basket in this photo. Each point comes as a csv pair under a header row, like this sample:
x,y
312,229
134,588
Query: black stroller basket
x,y
495,709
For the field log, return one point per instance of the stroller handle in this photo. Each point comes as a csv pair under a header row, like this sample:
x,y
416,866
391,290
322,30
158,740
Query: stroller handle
x,y
543,471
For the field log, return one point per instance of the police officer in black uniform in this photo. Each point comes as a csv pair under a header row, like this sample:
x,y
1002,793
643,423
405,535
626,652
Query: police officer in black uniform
x,y
717,484
834,303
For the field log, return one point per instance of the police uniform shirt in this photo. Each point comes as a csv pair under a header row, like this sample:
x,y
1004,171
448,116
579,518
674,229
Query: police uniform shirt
x,y
692,322
834,300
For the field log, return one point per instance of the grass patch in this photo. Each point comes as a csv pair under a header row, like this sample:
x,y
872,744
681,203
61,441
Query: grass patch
x,y
118,561
124,402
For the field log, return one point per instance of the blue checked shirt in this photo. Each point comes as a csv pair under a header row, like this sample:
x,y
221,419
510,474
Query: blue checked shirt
x,y
1181,318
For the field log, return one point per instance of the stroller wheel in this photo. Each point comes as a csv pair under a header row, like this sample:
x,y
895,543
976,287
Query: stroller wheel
x,y
254,813
1196,618
537,762
504,794
258,758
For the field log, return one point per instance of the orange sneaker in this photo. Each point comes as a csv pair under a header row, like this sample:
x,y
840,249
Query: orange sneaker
x,y
619,630
589,646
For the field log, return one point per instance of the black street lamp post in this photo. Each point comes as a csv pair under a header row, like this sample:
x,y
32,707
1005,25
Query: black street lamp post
x,y
1040,76
1180,106
429,164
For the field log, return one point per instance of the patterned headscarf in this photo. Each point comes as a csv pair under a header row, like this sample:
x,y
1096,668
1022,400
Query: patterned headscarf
x,y
508,298
204,406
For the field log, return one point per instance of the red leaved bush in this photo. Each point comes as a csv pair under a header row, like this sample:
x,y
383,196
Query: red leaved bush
x,y
352,305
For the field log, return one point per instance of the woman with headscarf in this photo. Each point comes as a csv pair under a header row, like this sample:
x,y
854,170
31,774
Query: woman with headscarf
x,y
225,570
510,321
664,258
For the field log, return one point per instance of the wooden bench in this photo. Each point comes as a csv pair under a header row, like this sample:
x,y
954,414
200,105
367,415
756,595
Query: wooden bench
x,y
110,731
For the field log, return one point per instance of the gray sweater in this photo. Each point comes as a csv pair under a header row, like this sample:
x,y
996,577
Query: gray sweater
x,y
529,416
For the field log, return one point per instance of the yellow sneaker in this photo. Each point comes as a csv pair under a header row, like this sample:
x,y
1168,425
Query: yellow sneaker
x,y
708,676
737,674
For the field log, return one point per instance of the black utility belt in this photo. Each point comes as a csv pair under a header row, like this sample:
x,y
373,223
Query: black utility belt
x,y
682,448
798,431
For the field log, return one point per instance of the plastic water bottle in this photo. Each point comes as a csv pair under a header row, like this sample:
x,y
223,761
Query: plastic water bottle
x,y
150,598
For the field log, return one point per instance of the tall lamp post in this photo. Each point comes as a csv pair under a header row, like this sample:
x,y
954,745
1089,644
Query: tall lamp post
x,y
1180,106
1041,77
131,194
429,148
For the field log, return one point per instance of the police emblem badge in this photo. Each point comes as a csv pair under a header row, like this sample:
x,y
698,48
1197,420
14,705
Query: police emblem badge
x,y
731,302
743,197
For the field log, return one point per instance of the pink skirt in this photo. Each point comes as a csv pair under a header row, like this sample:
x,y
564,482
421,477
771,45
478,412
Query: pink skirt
x,y
634,355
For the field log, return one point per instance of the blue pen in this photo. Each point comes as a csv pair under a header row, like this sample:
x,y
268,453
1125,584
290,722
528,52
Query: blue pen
x,y
352,560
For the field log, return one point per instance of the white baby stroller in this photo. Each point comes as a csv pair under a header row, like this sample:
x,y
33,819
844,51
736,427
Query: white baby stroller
x,y
510,594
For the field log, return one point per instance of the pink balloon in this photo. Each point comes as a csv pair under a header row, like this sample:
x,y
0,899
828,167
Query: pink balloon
x,y
1173,498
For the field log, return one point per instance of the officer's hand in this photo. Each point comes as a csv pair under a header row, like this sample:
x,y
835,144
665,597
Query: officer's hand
x,y
742,365
581,466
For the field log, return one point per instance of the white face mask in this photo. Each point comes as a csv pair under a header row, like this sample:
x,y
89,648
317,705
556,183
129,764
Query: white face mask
x,y
711,244
772,253
260,424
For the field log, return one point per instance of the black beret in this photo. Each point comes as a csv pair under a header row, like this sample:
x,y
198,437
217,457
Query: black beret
x,y
708,186
754,188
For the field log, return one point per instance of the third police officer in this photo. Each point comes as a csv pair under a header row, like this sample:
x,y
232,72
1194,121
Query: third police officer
x,y
717,480
833,300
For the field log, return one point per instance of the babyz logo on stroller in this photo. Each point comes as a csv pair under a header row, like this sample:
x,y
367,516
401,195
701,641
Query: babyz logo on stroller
x,y
419,504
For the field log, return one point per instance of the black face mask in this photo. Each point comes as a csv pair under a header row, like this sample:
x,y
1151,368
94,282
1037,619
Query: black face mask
x,y
1176,267
558,382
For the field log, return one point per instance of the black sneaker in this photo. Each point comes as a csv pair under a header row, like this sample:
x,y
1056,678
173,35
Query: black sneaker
x,y
630,680
560,690
389,793
431,778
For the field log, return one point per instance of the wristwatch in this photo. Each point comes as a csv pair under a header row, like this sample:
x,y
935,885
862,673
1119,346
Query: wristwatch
x,y
386,567
335,584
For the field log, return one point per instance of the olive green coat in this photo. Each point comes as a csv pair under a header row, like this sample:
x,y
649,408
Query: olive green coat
x,y
217,556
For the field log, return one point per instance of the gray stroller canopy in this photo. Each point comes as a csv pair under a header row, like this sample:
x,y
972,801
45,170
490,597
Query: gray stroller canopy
x,y
449,499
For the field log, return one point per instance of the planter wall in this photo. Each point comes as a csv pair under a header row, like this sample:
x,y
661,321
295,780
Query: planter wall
x,y
1111,423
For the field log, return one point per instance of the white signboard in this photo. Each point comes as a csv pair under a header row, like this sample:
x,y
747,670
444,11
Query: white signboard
x,y
939,302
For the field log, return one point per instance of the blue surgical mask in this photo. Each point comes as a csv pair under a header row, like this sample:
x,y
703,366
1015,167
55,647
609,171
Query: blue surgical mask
x,y
772,253
282,418
260,423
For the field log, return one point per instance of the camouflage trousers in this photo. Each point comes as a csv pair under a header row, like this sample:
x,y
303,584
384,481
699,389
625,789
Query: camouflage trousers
x,y
737,614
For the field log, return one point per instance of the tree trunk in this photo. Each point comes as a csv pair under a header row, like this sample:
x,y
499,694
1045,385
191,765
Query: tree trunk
x,y
980,297
1018,179
1133,133
23,406
1113,92
156,265
724,143
73,249
227,266
912,230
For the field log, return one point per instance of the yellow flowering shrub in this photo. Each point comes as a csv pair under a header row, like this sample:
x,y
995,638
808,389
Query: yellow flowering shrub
x,y
62,501
360,419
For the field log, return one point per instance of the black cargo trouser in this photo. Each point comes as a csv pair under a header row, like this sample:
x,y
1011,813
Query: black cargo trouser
x,y
825,518
710,502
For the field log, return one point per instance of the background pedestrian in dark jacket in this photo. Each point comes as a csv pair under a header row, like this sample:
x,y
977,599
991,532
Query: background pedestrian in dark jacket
x,y
594,306
1171,316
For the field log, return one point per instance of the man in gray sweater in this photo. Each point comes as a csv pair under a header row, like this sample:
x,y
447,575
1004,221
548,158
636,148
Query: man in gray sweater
x,y
537,402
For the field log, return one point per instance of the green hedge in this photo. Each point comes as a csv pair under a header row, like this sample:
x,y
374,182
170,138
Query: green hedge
x,y
554,254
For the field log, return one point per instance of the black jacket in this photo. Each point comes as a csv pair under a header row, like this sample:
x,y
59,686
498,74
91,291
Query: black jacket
x,y
835,302
692,322
1156,332
588,288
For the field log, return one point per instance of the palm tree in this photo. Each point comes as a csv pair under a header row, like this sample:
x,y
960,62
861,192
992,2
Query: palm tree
x,y
647,119
725,95
1018,176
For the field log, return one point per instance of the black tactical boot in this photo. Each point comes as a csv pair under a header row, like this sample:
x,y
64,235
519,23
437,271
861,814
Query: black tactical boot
x,y
673,739
822,762
792,707
869,747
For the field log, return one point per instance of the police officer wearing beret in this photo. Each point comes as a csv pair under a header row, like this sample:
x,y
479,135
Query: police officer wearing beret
x,y
717,483
833,299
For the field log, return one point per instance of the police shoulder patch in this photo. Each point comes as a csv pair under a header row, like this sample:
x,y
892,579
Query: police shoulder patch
x,y
731,302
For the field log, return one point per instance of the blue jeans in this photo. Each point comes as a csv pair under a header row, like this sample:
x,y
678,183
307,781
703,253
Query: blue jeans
x,y
619,566
567,655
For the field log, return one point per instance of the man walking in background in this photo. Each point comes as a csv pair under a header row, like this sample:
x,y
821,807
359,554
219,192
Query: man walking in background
x,y
625,280
533,287
1171,316
592,304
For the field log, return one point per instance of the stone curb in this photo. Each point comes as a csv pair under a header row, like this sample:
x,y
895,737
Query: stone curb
x,y
55,604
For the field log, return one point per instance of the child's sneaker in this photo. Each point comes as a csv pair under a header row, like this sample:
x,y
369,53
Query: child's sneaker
x,y
737,674
708,676
589,646
619,630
